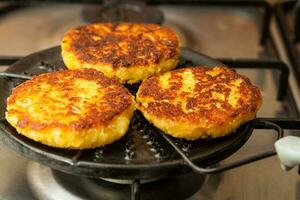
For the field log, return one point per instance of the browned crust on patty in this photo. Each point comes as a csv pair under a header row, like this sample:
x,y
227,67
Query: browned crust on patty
x,y
199,105
61,110
122,44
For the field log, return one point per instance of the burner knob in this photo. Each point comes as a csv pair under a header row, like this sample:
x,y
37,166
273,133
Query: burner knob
x,y
288,151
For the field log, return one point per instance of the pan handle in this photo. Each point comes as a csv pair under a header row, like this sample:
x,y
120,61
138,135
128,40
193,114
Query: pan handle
x,y
211,170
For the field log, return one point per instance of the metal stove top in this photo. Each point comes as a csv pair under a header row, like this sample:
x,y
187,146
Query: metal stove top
x,y
220,32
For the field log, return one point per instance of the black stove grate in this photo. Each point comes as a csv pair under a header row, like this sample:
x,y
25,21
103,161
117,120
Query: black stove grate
x,y
290,31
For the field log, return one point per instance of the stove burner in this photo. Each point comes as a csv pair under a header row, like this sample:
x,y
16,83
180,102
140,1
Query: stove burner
x,y
50,184
126,11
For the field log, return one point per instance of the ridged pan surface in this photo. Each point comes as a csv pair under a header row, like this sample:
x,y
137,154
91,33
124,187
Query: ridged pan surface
x,y
141,154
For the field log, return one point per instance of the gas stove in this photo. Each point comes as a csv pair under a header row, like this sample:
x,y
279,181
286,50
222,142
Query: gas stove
x,y
241,34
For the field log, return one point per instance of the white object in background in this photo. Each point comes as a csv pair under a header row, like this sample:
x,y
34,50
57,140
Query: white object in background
x,y
288,151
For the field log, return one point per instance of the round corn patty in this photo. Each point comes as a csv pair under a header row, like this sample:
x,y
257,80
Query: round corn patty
x,y
74,109
198,102
127,51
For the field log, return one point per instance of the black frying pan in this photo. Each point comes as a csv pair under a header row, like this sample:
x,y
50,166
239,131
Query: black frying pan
x,y
144,152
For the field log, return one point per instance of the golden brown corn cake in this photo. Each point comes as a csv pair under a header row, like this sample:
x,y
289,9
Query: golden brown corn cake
x,y
74,109
198,102
127,51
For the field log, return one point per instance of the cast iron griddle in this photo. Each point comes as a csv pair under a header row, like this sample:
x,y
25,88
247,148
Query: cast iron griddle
x,y
141,154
